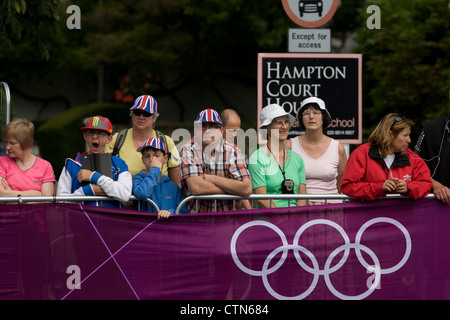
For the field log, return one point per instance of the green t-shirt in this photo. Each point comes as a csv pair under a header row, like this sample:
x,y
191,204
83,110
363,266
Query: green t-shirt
x,y
265,172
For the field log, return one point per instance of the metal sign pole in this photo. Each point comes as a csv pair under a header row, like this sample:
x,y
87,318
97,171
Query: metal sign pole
x,y
8,99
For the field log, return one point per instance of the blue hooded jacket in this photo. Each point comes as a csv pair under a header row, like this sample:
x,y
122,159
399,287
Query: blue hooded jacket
x,y
165,193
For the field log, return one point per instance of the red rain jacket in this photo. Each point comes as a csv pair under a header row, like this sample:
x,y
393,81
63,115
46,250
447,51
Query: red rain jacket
x,y
366,172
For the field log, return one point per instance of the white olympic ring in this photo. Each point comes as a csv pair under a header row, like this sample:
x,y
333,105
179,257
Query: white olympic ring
x,y
315,270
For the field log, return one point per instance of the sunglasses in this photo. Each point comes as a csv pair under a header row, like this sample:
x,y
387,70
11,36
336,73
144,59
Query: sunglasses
x,y
397,118
142,112
211,125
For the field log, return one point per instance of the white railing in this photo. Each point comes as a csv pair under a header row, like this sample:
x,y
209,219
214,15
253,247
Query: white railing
x,y
81,199
307,197
253,198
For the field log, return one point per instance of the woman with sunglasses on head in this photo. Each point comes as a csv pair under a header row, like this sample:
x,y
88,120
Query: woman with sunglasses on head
x,y
124,144
385,165
325,158
274,169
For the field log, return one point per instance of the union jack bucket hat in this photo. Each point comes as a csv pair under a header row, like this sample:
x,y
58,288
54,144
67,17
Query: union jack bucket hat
x,y
208,115
153,143
146,103
98,123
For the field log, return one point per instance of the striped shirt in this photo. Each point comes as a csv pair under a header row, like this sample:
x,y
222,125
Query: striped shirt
x,y
224,160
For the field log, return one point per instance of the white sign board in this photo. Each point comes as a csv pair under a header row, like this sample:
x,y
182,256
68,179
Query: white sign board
x,y
309,40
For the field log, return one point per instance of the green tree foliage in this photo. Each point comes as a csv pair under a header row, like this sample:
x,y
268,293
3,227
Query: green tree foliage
x,y
27,37
162,46
159,47
26,21
346,21
407,61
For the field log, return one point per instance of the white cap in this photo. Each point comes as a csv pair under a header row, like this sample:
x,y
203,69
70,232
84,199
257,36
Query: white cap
x,y
271,112
313,100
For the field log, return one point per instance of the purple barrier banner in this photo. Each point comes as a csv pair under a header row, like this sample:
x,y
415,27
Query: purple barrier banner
x,y
393,249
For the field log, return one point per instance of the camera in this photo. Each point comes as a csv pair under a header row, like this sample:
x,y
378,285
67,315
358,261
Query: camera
x,y
287,186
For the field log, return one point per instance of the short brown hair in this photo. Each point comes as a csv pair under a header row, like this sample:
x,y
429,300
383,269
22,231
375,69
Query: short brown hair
x,y
326,119
21,130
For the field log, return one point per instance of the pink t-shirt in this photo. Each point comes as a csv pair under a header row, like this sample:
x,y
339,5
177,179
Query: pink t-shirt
x,y
31,179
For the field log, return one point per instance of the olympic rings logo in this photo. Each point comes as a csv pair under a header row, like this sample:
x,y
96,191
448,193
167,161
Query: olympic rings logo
x,y
315,269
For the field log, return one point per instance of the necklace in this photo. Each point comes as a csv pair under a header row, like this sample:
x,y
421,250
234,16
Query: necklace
x,y
137,142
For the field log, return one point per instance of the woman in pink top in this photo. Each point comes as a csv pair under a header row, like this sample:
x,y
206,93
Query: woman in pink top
x,y
21,172
324,158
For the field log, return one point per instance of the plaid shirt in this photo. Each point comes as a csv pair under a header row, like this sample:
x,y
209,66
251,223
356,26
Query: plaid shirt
x,y
224,160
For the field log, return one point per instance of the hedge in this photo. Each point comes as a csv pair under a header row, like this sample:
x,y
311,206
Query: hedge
x,y
60,137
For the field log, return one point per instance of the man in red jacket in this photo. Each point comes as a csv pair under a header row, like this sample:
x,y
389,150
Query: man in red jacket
x,y
385,165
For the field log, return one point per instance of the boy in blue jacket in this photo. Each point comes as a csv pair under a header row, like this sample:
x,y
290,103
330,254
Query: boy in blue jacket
x,y
151,183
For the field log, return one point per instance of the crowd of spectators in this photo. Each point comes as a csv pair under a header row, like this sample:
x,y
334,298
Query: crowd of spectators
x,y
143,162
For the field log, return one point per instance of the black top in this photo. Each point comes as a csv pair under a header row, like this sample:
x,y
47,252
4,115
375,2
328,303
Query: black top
x,y
433,146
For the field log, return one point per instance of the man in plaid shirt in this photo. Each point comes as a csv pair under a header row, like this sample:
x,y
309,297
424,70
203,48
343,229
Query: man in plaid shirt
x,y
212,165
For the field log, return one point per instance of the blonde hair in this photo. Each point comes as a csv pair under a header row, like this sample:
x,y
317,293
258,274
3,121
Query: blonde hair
x,y
21,130
380,137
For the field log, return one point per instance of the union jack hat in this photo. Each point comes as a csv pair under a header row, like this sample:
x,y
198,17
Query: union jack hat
x,y
98,123
146,103
154,143
208,115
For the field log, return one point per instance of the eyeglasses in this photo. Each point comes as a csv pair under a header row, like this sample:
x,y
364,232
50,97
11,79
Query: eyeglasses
x,y
314,112
397,118
211,125
280,122
138,113
99,133
11,143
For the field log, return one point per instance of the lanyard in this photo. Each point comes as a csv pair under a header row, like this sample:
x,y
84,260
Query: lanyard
x,y
282,170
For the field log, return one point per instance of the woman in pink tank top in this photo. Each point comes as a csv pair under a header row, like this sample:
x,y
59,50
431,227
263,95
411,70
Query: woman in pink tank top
x,y
324,158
